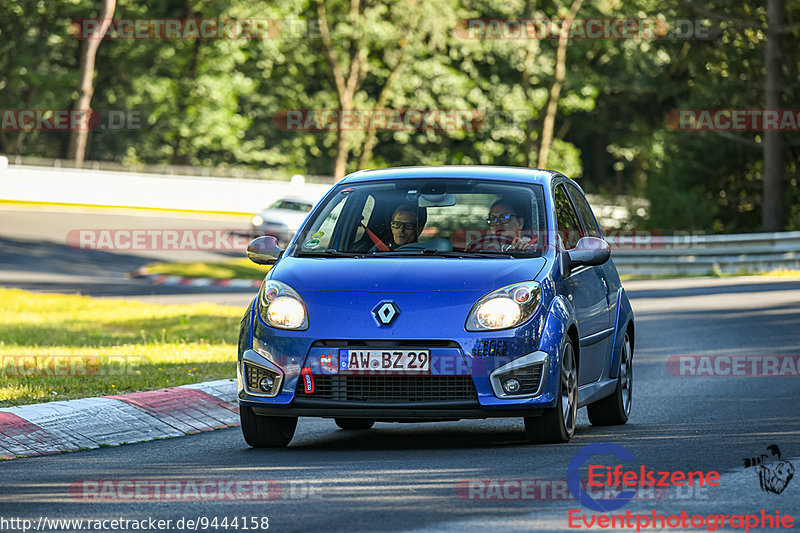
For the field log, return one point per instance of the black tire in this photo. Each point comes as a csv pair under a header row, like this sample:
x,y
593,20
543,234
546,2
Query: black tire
x,y
557,424
615,409
354,423
266,431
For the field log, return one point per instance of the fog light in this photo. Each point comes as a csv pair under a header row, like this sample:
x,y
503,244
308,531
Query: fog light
x,y
266,384
511,385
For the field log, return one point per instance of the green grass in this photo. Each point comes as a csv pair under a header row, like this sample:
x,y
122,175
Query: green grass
x,y
58,347
235,268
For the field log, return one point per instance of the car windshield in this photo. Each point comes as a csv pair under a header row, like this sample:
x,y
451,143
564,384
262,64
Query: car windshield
x,y
434,217
292,205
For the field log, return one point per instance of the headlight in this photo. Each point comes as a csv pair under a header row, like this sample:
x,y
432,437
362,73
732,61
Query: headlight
x,y
256,220
505,308
281,307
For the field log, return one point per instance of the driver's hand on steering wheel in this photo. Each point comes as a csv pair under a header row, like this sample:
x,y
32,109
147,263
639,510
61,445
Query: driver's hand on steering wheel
x,y
519,243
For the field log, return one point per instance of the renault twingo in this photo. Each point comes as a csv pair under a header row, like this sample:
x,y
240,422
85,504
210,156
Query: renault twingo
x,y
438,293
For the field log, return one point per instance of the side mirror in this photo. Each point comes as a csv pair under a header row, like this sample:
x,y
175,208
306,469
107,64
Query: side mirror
x,y
264,250
590,251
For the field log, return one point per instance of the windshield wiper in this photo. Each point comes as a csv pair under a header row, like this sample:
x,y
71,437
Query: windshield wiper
x,y
432,252
330,252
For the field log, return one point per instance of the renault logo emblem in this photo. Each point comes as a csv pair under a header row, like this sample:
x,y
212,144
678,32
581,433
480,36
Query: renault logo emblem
x,y
386,312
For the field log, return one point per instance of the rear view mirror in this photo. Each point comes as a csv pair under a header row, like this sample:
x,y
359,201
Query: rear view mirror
x,y
264,250
437,200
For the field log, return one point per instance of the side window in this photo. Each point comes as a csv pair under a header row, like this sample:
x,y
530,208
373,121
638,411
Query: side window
x,y
587,217
328,225
569,229
366,214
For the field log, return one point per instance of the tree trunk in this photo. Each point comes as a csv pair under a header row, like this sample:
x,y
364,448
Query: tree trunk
x,y
372,136
527,144
181,146
772,207
78,138
555,90
345,88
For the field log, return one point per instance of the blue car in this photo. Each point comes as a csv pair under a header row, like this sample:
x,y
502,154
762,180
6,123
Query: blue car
x,y
438,293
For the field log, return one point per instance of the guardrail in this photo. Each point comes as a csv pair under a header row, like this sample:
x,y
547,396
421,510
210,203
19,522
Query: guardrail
x,y
641,253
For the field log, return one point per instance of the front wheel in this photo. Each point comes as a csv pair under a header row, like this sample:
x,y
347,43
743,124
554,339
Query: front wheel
x,y
557,424
615,409
266,431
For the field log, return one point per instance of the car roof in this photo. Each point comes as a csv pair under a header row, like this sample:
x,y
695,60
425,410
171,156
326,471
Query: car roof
x,y
298,199
526,175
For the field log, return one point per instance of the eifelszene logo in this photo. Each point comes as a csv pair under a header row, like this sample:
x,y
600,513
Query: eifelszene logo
x,y
774,473
627,481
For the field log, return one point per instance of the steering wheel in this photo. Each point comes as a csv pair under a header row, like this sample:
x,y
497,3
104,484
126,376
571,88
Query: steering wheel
x,y
492,242
440,244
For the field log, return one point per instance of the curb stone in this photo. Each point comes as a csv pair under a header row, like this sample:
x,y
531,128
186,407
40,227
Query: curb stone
x,y
163,279
87,423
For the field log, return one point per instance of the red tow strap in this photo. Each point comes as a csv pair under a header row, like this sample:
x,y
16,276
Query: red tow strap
x,y
308,380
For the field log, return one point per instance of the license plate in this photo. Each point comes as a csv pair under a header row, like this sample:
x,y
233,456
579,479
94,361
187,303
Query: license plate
x,y
385,361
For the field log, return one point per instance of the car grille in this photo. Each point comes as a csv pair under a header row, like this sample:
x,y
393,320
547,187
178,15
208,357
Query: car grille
x,y
391,389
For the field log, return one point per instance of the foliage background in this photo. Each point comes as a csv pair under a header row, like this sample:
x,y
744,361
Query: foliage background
x,y
211,103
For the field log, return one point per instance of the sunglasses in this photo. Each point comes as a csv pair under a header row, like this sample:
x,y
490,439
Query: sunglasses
x,y
407,226
503,219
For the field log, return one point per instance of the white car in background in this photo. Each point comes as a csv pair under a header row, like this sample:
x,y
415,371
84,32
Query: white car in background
x,y
282,218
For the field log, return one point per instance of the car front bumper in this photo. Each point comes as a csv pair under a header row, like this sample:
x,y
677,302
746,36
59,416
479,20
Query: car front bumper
x,y
457,387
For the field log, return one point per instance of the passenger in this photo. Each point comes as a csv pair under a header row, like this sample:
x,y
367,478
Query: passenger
x,y
407,223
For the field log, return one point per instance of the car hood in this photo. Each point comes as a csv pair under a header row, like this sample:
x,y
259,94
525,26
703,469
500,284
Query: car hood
x,y
405,274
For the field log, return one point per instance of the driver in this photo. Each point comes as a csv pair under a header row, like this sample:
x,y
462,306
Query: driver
x,y
407,223
505,224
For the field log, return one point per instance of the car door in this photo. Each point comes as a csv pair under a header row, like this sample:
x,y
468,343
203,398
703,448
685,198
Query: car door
x,y
586,289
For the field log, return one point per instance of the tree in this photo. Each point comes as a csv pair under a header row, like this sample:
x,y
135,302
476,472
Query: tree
x,y
555,88
356,68
78,137
373,46
772,206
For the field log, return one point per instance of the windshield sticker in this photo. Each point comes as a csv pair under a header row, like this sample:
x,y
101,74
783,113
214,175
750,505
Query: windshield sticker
x,y
318,235
313,243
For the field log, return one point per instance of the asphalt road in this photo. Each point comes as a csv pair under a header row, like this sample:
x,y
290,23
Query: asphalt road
x,y
39,252
404,477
